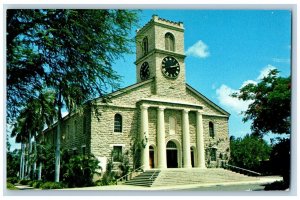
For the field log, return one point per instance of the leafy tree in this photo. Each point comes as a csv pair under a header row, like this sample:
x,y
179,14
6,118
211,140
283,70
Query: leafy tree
x,y
248,152
69,51
270,111
271,106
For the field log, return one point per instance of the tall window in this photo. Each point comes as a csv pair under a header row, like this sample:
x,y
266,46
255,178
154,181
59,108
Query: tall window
x,y
169,42
117,153
145,45
213,154
118,123
211,130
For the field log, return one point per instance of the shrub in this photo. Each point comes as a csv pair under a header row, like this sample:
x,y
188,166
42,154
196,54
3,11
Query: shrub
x,y
12,180
109,176
11,186
24,182
78,170
51,185
30,183
37,184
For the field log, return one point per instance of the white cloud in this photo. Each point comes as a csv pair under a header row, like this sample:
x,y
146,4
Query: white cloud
x,y
199,49
265,71
248,82
236,105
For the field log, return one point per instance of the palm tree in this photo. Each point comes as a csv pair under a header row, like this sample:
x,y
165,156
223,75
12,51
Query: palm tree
x,y
46,112
21,130
31,121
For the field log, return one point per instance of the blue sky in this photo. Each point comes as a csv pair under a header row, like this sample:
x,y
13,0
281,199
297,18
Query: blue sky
x,y
226,49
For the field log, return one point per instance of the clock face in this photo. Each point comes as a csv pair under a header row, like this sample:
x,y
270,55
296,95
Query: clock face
x,y
145,71
170,67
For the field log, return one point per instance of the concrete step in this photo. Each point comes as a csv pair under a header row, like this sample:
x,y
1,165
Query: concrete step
x,y
145,179
183,176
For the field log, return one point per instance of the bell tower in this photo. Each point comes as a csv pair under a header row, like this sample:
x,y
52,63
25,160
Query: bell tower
x,y
160,55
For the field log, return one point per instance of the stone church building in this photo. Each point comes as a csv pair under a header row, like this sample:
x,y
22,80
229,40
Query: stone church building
x,y
160,120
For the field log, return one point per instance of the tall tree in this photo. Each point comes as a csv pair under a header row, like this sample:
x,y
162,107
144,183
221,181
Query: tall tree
x,y
69,51
270,110
32,120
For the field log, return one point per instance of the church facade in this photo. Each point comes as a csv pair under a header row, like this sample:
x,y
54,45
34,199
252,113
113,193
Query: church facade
x,y
161,121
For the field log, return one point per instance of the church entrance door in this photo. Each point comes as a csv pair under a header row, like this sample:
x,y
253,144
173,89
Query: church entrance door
x,y
172,158
151,157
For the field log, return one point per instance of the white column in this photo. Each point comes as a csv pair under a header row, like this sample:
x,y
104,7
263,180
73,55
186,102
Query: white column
x,y
200,141
161,143
186,139
144,136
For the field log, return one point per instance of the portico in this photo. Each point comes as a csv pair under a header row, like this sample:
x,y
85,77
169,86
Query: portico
x,y
184,161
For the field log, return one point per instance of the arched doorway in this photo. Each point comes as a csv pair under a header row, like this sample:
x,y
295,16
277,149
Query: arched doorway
x,y
172,155
151,156
193,155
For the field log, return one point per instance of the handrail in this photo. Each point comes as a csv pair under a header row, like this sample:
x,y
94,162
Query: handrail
x,y
128,174
152,175
244,169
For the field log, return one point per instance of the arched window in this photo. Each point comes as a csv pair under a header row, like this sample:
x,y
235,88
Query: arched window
x,y
145,45
171,145
118,123
211,130
169,42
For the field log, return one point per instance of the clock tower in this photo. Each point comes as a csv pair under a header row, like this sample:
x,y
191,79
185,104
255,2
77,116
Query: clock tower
x,y
160,55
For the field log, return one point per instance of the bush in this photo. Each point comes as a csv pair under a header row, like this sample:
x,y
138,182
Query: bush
x,y
51,185
11,186
78,170
37,184
24,182
30,183
12,180
108,178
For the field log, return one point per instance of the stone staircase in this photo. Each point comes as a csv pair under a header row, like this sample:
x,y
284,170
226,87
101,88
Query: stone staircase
x,y
144,179
180,176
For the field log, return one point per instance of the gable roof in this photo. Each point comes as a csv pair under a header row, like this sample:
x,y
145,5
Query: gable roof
x,y
124,90
207,100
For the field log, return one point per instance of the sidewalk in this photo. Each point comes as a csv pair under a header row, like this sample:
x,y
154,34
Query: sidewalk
x,y
262,180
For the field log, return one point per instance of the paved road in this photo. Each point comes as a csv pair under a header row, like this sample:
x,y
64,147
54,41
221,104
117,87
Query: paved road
x,y
231,188
228,186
